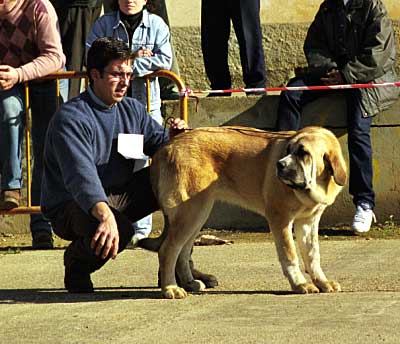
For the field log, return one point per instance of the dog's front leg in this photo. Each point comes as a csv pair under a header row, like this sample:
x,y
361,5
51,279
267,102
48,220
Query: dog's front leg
x,y
288,258
306,231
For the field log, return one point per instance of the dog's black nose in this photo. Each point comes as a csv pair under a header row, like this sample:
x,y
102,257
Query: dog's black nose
x,y
281,164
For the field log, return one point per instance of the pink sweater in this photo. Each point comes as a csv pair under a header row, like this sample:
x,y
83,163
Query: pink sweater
x,y
30,39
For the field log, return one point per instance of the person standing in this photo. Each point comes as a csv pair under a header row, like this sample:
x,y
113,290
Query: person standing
x,y
148,37
76,18
168,88
216,17
349,41
30,48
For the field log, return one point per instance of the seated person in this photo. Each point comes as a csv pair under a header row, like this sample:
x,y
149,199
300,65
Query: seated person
x,y
349,42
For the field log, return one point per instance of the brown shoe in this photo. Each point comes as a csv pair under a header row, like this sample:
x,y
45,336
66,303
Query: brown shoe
x,y
9,199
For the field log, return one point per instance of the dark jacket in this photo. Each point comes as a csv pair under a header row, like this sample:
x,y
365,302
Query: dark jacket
x,y
81,159
358,40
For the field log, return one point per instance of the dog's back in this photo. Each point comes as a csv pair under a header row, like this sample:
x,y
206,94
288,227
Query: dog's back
x,y
214,159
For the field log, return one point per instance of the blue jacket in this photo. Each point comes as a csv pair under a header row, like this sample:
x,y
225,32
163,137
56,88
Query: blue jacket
x,y
81,161
152,34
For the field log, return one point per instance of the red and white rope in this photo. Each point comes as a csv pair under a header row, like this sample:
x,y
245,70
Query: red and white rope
x,y
189,92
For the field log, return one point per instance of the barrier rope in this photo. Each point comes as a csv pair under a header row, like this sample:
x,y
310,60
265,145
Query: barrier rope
x,y
187,92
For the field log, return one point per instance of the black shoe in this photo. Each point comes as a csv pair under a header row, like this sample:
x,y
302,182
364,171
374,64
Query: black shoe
x,y
227,94
256,93
42,240
169,94
77,282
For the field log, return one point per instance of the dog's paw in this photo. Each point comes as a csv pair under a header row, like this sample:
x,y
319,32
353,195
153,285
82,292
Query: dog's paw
x,y
195,286
209,280
174,292
306,288
328,286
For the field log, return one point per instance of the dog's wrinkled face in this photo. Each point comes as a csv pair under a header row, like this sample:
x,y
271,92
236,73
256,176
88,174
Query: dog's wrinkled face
x,y
296,169
311,158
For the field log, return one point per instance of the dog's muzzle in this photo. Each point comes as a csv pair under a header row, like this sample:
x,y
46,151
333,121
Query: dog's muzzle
x,y
289,175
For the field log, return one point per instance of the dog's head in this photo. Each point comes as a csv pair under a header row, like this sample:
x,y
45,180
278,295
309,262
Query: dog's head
x,y
313,158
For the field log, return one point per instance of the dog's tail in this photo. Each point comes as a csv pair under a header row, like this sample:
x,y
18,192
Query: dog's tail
x,y
154,244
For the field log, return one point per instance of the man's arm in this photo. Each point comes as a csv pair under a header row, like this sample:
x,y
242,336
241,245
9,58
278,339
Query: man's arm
x,y
161,55
50,58
105,241
316,48
72,145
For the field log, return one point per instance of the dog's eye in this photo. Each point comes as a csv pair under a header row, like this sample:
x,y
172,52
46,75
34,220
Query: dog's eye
x,y
301,152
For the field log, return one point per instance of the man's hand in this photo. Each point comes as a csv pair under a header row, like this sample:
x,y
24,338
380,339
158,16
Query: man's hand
x,y
333,77
8,77
143,52
177,125
105,241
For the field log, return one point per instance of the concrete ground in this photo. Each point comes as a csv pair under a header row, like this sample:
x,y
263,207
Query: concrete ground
x,y
252,304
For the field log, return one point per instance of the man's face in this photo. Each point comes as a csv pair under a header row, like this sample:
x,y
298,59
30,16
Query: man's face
x,y
130,7
111,84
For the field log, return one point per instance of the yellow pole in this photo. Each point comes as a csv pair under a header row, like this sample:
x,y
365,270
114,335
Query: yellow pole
x,y
148,93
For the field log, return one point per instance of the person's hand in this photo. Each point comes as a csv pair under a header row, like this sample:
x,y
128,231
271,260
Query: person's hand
x,y
105,241
333,77
143,52
177,125
8,77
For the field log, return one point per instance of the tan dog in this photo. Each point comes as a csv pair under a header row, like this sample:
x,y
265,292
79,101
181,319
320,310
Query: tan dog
x,y
288,177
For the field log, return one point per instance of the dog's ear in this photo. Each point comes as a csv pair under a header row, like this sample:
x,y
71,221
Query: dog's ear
x,y
337,166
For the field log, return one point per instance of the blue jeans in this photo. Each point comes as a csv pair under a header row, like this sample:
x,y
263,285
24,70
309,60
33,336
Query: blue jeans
x,y
12,116
358,130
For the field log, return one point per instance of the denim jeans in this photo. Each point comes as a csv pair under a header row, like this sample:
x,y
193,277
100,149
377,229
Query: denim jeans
x,y
12,122
12,116
358,130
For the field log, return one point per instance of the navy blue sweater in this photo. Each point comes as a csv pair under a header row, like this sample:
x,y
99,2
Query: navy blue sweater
x,y
81,161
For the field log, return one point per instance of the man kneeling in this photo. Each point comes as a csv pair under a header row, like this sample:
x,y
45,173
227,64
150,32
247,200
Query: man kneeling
x,y
89,191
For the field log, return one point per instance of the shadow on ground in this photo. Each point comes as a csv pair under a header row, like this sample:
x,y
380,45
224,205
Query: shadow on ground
x,y
57,295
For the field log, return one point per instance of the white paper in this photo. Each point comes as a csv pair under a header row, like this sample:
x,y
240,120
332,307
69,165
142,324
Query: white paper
x,y
130,146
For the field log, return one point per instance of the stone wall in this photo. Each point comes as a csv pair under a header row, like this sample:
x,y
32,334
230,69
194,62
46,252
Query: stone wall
x,y
283,46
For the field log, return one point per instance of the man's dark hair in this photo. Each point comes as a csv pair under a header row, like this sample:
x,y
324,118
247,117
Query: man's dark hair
x,y
103,51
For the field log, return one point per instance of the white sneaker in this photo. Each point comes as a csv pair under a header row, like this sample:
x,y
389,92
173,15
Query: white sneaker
x,y
363,218
136,238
